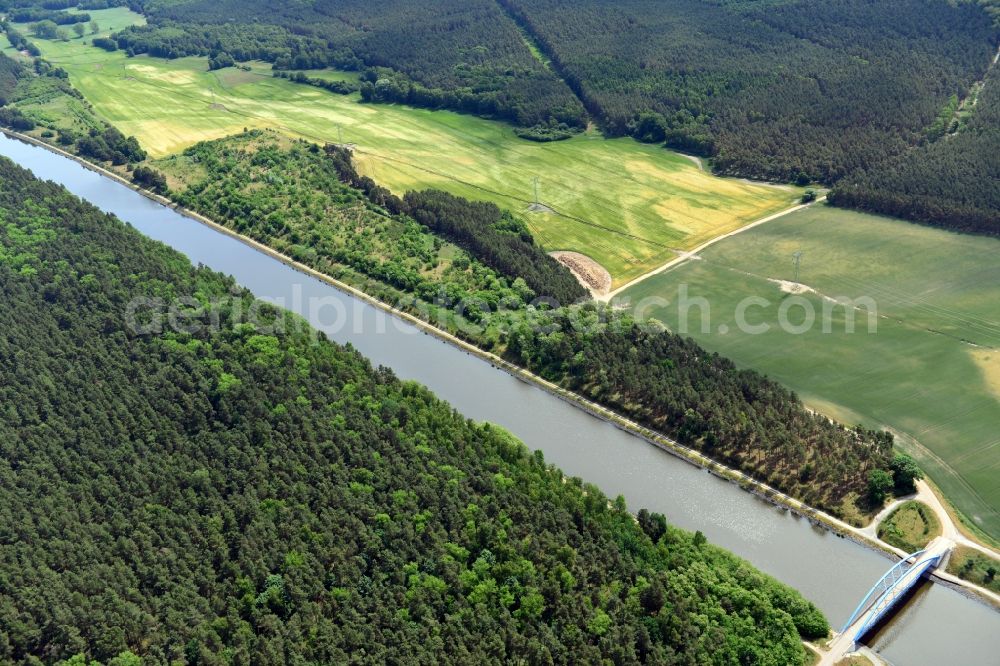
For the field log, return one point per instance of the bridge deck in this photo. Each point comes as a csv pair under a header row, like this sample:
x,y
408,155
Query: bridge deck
x,y
892,587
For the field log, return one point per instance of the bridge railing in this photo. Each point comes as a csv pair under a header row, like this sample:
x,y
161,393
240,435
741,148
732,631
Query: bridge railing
x,y
885,583
876,613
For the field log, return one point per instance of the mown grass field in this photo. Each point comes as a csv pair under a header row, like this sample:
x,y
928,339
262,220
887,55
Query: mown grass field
x,y
627,205
931,371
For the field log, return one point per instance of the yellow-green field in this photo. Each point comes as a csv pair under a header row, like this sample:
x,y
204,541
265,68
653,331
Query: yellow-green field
x,y
627,205
930,370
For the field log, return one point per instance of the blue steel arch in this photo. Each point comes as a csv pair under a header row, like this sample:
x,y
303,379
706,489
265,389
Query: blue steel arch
x,y
881,588
876,613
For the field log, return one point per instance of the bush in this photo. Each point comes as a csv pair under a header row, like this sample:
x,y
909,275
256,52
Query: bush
x,y
105,43
151,179
879,484
220,61
15,120
904,473
544,133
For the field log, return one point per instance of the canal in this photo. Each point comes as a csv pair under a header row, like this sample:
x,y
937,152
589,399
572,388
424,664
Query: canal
x,y
941,627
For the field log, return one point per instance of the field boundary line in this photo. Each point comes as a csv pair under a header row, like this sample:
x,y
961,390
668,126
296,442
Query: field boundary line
x,y
690,254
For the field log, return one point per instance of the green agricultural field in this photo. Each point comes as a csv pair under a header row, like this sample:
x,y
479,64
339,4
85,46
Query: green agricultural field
x,y
931,371
627,205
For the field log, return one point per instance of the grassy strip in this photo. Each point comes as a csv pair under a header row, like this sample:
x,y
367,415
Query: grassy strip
x,y
965,525
976,567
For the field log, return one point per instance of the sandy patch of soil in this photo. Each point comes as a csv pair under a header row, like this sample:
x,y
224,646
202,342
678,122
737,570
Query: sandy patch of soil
x,y
540,208
790,287
989,363
588,272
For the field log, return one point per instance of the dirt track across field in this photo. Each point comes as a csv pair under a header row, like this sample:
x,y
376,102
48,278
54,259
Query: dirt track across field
x,y
685,256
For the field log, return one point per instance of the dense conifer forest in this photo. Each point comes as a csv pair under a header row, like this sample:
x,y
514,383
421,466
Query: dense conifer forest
x,y
234,494
776,90
951,181
738,417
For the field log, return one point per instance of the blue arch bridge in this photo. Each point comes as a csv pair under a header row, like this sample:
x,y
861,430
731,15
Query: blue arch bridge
x,y
885,595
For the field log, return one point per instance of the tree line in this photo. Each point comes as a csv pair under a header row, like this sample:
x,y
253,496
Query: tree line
x,y
495,237
334,86
231,496
737,417
19,41
242,42
39,14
